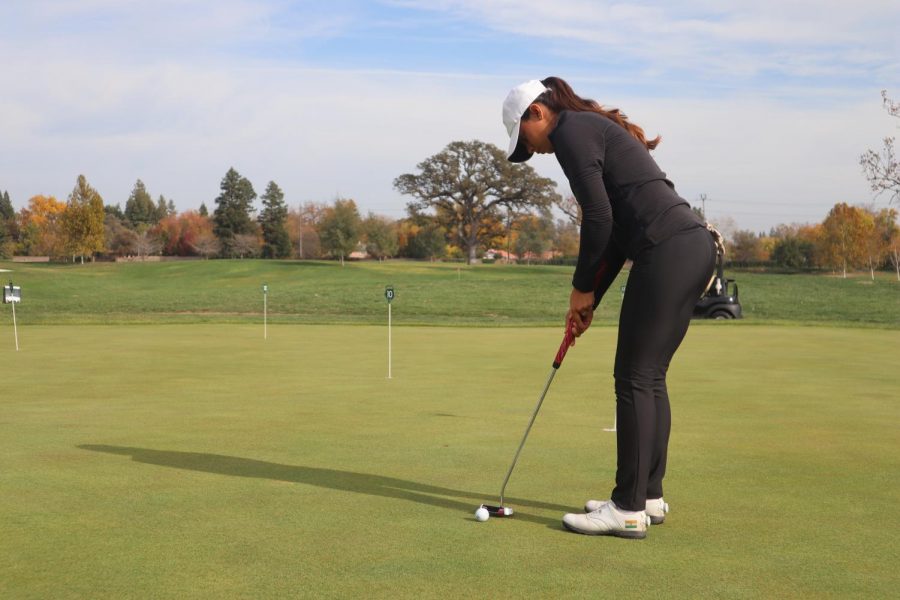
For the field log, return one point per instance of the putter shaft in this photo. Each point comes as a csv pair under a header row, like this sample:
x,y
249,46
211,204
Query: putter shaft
x,y
527,429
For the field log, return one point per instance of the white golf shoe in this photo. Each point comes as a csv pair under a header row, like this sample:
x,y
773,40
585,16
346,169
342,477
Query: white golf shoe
x,y
609,520
656,509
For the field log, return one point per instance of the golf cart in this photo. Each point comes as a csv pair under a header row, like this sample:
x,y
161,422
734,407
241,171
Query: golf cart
x,y
721,300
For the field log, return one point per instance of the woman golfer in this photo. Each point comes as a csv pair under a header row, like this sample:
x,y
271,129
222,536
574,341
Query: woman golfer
x,y
629,211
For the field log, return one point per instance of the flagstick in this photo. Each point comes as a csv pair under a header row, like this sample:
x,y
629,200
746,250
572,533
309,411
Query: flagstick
x,y
389,296
265,311
15,328
389,340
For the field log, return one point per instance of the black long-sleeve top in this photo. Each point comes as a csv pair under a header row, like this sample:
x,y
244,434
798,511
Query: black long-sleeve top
x,y
626,201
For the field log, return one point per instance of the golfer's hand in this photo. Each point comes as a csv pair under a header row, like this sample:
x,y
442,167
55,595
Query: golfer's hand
x,y
581,311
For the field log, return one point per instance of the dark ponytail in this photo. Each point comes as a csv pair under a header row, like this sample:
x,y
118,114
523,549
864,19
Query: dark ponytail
x,y
561,97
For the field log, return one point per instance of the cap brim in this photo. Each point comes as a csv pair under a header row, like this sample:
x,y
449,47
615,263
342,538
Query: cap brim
x,y
521,154
517,151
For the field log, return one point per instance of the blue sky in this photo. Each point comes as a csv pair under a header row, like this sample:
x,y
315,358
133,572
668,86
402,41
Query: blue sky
x,y
764,106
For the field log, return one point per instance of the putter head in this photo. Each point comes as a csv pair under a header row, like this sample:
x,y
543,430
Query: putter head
x,y
498,511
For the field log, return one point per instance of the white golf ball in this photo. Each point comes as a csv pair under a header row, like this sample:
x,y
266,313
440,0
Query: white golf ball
x,y
482,514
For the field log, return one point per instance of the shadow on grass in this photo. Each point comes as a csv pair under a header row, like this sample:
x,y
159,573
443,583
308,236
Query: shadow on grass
x,y
347,481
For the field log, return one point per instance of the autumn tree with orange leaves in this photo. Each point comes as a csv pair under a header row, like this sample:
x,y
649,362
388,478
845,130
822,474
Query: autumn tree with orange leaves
x,y
179,234
886,242
40,227
844,236
7,225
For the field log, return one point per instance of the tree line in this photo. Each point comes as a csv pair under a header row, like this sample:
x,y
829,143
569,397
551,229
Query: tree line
x,y
468,199
849,238
468,202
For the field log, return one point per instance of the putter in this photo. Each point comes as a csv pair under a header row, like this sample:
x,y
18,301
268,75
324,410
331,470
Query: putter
x,y
507,511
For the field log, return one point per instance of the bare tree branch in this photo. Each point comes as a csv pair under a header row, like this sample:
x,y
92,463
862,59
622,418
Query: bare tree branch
x,y
570,207
882,169
145,244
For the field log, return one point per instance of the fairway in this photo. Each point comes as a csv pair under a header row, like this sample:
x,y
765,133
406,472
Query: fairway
x,y
319,292
201,461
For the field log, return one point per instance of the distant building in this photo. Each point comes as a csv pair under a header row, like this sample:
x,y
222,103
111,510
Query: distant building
x,y
494,254
497,254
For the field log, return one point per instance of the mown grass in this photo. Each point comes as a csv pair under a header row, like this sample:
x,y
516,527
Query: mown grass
x,y
427,294
201,461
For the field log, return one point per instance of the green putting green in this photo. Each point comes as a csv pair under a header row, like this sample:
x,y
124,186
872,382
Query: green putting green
x,y
202,461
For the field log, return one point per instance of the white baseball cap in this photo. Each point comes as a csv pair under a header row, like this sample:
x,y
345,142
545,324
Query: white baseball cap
x,y
517,101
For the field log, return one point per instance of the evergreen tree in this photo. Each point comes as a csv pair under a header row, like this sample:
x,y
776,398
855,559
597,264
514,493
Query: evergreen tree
x,y
6,208
204,212
232,214
163,208
114,210
139,208
273,219
6,216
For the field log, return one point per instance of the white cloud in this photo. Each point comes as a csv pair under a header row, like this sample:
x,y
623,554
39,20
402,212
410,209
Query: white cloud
x,y
704,36
178,118
196,30
321,133
316,132
758,161
763,162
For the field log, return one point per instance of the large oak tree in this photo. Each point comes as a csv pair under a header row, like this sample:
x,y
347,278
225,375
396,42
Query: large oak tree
x,y
467,184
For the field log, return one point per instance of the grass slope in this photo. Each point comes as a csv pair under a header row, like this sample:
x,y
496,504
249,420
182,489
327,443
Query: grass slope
x,y
427,293
201,461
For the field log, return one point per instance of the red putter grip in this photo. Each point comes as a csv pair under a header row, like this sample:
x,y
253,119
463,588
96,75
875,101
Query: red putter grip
x,y
568,340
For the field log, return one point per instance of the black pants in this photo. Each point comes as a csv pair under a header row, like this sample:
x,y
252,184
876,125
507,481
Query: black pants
x,y
665,283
